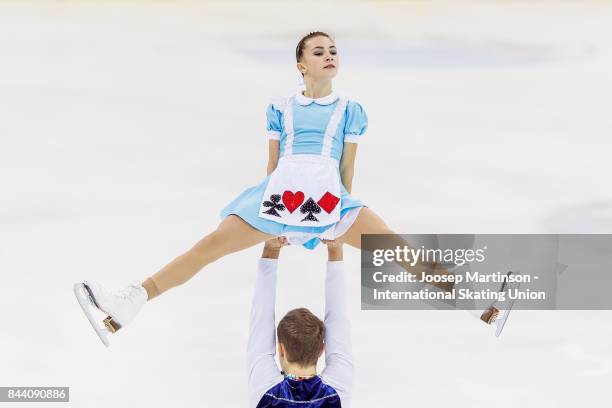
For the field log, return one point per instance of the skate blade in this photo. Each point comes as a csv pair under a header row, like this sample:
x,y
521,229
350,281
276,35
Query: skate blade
x,y
87,303
501,320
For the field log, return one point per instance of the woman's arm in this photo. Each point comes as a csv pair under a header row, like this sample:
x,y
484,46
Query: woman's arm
x,y
273,151
347,165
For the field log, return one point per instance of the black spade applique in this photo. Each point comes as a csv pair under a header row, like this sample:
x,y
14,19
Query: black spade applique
x,y
274,205
311,208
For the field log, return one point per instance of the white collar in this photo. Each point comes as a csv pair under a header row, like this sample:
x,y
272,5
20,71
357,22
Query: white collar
x,y
325,100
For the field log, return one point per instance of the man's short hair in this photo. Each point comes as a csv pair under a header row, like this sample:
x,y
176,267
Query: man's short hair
x,y
302,333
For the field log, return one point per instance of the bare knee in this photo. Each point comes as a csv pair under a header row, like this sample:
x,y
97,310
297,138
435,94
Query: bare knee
x,y
209,247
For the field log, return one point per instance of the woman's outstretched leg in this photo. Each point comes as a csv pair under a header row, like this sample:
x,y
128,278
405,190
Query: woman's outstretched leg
x,y
368,222
122,306
233,234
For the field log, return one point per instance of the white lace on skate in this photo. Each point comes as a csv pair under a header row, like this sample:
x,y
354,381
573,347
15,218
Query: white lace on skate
x,y
122,305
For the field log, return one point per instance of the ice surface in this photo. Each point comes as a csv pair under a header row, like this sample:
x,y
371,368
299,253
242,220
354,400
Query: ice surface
x,y
126,126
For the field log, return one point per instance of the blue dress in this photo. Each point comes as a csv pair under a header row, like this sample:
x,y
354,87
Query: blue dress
x,y
310,118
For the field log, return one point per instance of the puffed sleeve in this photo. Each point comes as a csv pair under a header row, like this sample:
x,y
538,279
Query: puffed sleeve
x,y
274,119
356,122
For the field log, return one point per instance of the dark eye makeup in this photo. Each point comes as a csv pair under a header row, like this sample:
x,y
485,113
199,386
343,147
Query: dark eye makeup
x,y
319,52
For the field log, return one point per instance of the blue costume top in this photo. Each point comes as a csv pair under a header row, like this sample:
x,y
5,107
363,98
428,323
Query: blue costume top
x,y
311,393
310,120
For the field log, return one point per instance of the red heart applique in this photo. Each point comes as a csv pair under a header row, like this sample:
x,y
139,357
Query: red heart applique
x,y
292,201
328,202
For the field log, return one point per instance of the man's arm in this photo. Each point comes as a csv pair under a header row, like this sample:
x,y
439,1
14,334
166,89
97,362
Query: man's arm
x,y
262,370
339,370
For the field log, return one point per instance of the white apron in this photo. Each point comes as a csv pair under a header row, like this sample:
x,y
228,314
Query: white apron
x,y
305,189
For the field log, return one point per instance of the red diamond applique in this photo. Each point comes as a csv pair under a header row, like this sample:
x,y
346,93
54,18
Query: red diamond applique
x,y
328,202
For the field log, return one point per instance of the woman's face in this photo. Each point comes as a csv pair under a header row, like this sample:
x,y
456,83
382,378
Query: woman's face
x,y
319,59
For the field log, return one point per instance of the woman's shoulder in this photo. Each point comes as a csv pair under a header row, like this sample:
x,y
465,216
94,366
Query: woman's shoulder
x,y
351,104
354,106
351,101
356,121
278,103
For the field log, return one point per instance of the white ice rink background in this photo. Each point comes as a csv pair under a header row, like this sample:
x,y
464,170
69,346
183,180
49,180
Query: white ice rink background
x,y
126,126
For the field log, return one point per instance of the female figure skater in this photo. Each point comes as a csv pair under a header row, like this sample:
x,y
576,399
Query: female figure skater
x,y
313,138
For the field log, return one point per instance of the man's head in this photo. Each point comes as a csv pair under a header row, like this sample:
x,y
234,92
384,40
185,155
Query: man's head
x,y
300,339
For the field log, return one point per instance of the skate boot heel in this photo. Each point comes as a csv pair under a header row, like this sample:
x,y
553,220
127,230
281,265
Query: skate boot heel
x,y
111,325
490,315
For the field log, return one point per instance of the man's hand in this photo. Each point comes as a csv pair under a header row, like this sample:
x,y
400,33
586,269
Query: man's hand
x,y
334,249
276,243
272,247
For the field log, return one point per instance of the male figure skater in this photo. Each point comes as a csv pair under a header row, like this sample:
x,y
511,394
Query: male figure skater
x,y
302,338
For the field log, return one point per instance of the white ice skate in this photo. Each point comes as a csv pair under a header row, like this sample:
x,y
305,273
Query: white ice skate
x,y
120,307
503,308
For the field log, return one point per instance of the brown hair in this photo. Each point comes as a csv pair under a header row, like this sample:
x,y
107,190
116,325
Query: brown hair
x,y
299,50
302,334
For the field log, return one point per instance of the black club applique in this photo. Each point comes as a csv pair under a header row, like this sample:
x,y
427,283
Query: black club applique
x,y
274,205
